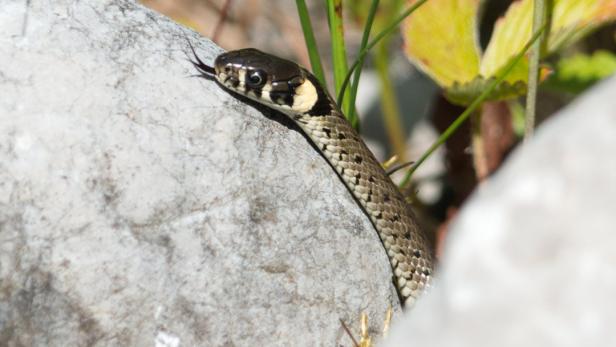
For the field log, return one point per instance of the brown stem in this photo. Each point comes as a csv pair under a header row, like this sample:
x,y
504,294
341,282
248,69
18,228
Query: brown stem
x,y
221,21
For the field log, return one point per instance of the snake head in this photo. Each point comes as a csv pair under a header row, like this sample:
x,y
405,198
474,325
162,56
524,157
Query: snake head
x,y
270,80
252,70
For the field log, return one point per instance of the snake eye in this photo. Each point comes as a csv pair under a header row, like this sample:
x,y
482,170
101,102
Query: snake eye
x,y
256,78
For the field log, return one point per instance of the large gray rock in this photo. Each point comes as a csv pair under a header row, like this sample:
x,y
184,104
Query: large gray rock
x,y
141,207
531,260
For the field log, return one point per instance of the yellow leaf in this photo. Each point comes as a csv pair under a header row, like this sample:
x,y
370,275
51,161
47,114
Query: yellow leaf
x,y
510,34
572,19
440,38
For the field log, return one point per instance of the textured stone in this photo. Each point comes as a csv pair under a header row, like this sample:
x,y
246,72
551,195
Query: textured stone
x,y
531,260
142,207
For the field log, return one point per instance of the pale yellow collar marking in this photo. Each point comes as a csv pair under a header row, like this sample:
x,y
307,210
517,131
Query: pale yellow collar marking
x,y
305,97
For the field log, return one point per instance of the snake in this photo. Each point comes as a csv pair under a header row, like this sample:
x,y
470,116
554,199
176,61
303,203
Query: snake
x,y
285,86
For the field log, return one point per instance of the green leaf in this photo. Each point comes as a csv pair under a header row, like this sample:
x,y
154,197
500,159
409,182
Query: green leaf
x,y
576,73
440,38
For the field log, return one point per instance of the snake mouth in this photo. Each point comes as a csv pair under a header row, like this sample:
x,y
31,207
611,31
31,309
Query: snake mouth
x,y
229,80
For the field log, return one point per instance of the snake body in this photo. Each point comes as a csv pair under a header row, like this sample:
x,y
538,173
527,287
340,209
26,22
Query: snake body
x,y
285,86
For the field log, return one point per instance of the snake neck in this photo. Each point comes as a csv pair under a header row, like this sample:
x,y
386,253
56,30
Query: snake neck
x,y
408,249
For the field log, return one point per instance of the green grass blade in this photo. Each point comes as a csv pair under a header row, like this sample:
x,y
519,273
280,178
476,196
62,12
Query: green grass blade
x,y
473,106
311,43
339,58
373,42
364,42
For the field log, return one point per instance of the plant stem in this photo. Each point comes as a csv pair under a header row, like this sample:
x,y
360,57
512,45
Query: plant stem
x,y
221,20
477,144
533,71
389,103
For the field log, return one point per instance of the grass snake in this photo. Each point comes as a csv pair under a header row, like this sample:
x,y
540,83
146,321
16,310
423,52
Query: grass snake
x,y
286,87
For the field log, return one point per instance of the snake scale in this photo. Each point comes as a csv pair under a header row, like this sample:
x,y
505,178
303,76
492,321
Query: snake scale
x,y
285,86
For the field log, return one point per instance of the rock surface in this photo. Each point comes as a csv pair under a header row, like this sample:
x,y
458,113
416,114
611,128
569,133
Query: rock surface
x,y
531,260
141,207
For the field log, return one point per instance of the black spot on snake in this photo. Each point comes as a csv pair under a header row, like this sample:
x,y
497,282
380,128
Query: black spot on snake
x,y
341,136
417,253
328,132
288,100
358,159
